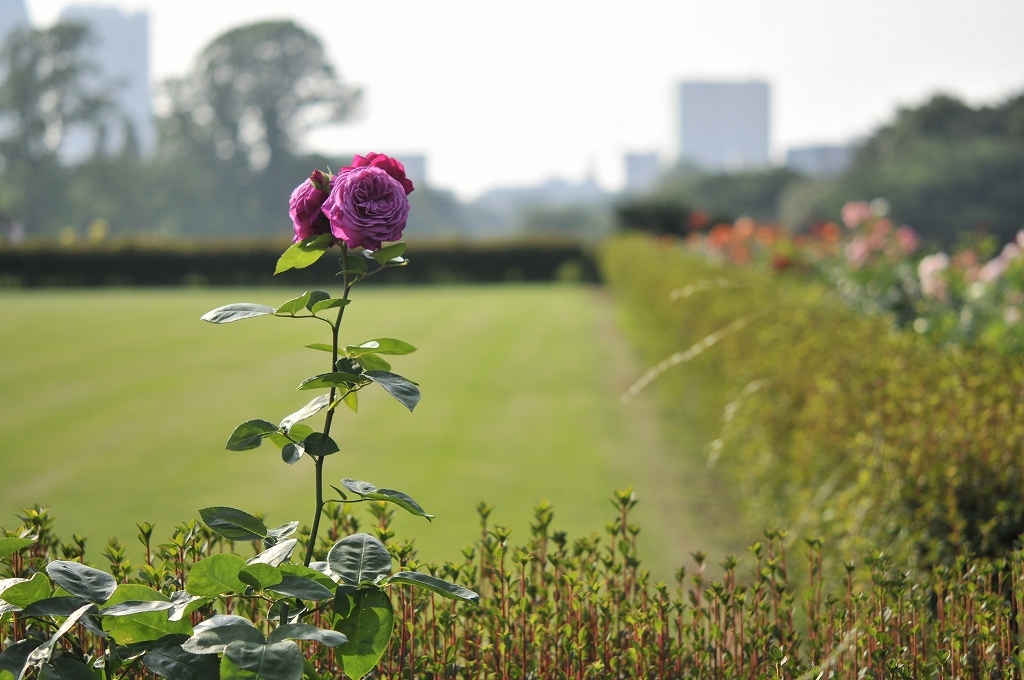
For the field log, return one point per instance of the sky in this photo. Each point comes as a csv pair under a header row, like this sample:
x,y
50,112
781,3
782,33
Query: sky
x,y
514,93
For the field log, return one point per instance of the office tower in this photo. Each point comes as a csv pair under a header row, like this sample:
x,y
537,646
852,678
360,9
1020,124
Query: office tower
x,y
821,160
120,48
724,125
641,172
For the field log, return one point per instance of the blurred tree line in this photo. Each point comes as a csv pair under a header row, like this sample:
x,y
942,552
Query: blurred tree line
x,y
229,132
945,167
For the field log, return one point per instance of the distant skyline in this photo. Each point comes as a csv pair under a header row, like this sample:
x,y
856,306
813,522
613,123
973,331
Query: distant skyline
x,y
512,94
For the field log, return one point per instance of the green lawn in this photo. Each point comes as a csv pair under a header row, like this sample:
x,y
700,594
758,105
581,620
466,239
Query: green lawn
x,y
115,405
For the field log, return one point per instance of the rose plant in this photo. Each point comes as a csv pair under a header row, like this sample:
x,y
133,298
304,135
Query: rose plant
x,y
236,618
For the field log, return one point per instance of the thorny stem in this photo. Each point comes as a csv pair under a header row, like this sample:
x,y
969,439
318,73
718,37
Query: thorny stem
x,y
330,413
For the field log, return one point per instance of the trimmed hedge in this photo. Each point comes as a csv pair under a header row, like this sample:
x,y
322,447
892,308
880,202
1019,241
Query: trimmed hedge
x,y
826,421
254,264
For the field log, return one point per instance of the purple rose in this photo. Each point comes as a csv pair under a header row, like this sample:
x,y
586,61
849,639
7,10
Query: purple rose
x,y
305,205
366,207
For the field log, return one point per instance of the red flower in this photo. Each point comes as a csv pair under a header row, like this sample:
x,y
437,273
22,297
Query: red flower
x,y
389,165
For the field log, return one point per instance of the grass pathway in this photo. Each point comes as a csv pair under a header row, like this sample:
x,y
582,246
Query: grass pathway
x,y
114,406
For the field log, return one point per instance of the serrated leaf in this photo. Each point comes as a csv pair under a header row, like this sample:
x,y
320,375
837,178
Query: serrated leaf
x,y
216,575
11,545
325,380
166,658
370,492
301,587
250,434
451,591
142,626
233,524
329,303
308,411
319,444
236,312
92,585
368,627
390,252
304,631
304,253
359,558
293,306
402,389
380,346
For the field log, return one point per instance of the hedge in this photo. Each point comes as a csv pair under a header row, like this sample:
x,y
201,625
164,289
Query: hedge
x,y
245,264
824,420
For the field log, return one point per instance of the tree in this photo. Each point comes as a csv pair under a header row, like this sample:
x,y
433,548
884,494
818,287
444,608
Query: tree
x,y
45,90
255,91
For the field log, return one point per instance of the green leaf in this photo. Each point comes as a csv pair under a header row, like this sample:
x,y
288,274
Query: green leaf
x,y
304,631
24,592
368,628
309,573
13,658
66,668
7,675
402,389
54,606
136,607
234,524
389,252
351,400
329,303
236,312
370,492
319,444
260,576
81,581
275,555
249,435
142,627
166,658
329,380
443,588
9,546
307,411
359,558
216,575
304,253
215,634
292,452
380,346
373,362
251,661
355,264
278,534
294,305
321,347
302,588
184,604
316,297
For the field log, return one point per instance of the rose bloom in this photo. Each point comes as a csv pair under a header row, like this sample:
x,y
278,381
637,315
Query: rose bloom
x,y
305,205
856,213
930,272
857,252
907,239
369,203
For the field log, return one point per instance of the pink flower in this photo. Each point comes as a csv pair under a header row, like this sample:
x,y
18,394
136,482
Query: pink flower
x,y
930,272
367,204
389,165
304,206
856,213
995,267
857,252
907,239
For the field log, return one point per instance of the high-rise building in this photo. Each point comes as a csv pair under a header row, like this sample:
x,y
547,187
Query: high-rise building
x,y
642,172
120,48
724,125
13,16
820,161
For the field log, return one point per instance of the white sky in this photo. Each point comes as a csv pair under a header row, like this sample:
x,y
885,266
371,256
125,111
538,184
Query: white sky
x,y
517,92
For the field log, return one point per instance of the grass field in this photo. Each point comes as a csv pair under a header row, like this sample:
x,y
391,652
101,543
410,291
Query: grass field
x,y
115,405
